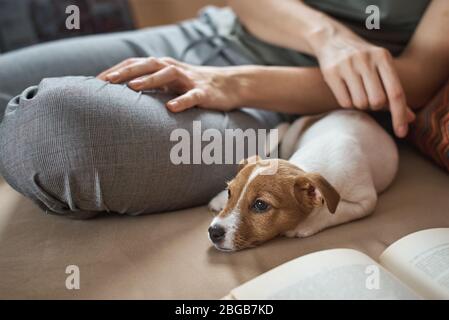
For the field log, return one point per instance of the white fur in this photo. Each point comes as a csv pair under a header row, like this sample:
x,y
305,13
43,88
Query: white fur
x,y
230,224
219,201
355,155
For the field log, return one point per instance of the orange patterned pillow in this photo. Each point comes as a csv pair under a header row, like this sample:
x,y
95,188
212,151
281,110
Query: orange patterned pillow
x,y
430,131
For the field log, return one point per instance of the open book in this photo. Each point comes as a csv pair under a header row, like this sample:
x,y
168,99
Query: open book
x,y
414,267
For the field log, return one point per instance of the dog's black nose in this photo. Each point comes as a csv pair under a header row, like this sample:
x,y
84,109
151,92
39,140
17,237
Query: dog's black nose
x,y
216,233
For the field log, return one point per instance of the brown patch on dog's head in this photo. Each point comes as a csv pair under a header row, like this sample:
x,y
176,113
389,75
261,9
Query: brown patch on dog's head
x,y
261,207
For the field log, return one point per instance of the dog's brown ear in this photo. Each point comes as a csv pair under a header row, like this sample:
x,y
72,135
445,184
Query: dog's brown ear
x,y
312,190
244,162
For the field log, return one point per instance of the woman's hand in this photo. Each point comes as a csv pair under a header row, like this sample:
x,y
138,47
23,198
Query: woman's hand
x,y
363,76
359,74
206,87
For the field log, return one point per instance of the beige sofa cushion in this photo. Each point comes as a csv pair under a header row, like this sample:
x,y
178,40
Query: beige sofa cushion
x,y
169,256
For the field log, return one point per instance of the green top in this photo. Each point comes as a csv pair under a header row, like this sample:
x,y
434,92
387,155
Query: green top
x,y
398,21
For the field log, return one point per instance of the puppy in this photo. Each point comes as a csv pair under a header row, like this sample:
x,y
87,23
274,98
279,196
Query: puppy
x,y
337,164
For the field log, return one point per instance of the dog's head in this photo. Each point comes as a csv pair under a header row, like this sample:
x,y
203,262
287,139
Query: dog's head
x,y
262,206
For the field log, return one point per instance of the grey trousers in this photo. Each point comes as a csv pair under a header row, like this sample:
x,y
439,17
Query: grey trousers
x,y
78,146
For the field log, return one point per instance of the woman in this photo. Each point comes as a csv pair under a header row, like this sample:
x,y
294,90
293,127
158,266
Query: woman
x,y
79,146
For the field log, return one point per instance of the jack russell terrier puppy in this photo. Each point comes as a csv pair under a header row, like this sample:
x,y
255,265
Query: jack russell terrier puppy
x,y
338,163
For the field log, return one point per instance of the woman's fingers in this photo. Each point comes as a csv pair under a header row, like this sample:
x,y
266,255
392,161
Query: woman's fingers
x,y
374,87
134,70
339,89
400,112
158,79
377,98
355,86
126,62
188,100
410,115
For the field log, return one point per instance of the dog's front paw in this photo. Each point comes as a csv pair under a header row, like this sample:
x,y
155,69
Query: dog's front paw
x,y
300,233
219,201
290,234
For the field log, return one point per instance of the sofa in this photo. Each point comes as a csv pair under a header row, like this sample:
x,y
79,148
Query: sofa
x,y
169,256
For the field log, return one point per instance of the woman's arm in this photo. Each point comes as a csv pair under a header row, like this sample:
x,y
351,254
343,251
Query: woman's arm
x,y
359,73
422,68
291,23
283,89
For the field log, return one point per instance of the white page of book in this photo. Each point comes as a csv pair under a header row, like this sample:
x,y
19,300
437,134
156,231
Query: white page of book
x,y
421,259
328,274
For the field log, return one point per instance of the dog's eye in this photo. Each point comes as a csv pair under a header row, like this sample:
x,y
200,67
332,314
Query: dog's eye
x,y
260,206
229,193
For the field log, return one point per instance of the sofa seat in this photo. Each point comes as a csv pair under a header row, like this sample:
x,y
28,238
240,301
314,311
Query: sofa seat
x,y
168,256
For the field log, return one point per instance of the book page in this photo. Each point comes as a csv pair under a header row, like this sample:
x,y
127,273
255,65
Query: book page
x,y
421,260
328,274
